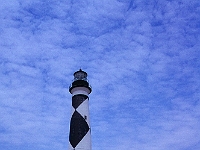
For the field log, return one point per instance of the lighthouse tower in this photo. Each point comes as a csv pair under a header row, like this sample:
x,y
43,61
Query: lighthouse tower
x,y
80,132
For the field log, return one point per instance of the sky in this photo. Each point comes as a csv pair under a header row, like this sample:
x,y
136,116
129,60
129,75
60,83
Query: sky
x,y
142,60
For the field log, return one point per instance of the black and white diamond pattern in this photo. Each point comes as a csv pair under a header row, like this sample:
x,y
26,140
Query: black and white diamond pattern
x,y
79,127
78,99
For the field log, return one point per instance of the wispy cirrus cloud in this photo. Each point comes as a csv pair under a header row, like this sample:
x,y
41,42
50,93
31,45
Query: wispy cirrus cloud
x,y
142,62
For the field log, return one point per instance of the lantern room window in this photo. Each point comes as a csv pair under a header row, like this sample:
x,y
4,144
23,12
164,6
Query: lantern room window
x,y
80,75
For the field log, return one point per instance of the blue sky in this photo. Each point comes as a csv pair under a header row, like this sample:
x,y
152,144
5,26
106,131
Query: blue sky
x,y
142,60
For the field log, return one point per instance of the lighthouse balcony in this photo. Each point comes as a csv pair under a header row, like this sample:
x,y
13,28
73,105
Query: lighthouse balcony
x,y
80,83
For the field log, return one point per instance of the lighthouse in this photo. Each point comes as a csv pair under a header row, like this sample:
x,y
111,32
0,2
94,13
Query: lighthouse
x,y
80,131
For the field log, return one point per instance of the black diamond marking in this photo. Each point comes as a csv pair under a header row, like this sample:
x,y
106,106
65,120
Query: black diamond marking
x,y
78,99
78,129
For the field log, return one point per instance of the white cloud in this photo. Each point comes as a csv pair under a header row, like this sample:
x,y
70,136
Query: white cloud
x,y
141,59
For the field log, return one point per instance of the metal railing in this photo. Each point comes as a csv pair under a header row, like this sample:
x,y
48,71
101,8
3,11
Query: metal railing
x,y
82,80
